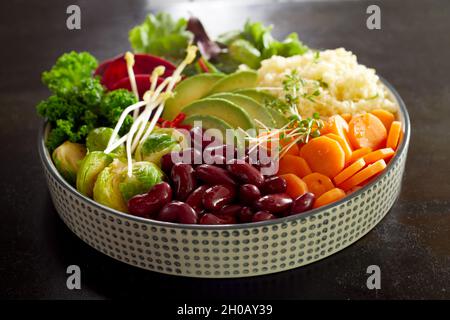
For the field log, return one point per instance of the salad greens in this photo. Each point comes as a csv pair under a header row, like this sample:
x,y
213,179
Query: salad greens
x,y
162,36
79,102
165,37
254,44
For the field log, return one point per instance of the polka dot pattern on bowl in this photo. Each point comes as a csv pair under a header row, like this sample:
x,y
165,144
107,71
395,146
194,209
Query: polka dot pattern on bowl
x,y
235,252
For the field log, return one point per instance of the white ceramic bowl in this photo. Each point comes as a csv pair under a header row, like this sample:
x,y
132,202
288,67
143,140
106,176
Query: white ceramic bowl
x,y
225,251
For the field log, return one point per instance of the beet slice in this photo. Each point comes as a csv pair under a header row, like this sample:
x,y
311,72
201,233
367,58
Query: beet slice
x,y
114,70
142,83
102,67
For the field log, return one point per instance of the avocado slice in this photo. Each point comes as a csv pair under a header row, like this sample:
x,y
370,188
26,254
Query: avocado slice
x,y
264,99
209,122
253,108
235,116
189,90
235,81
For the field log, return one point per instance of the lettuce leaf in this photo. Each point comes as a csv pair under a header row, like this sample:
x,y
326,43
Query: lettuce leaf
x,y
255,35
162,36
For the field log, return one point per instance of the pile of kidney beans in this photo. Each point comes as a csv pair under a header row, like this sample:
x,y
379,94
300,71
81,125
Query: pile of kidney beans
x,y
225,192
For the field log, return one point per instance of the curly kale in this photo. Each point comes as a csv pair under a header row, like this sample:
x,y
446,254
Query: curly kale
x,y
79,102
112,106
68,72
72,110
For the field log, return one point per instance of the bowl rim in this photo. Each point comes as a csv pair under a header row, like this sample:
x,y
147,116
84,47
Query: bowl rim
x,y
404,118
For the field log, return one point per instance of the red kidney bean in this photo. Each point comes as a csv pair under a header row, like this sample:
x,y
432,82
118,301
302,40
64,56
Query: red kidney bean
x,y
227,219
167,162
217,196
177,211
183,180
189,156
274,203
195,198
245,173
302,203
216,160
209,218
213,175
231,210
246,215
263,216
148,204
248,194
274,185
138,206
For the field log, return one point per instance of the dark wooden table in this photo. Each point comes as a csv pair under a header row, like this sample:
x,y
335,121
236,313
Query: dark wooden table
x,y
411,245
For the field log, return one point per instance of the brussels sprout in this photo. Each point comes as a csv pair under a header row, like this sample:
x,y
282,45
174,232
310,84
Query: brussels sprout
x,y
90,167
114,187
66,159
145,175
106,188
158,143
98,138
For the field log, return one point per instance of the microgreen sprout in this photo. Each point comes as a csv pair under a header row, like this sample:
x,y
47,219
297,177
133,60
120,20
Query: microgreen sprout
x,y
153,99
129,58
298,129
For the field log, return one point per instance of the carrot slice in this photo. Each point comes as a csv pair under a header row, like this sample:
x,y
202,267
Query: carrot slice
x,y
385,116
295,186
394,135
293,150
337,125
378,154
294,164
363,175
347,117
318,183
349,171
366,130
359,153
324,155
328,197
344,144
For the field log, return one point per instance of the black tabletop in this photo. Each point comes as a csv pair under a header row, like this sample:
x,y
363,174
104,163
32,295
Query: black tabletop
x,y
411,245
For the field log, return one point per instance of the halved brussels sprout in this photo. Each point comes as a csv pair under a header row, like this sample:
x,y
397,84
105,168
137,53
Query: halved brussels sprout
x,y
114,187
106,188
90,167
158,143
66,159
145,175
98,138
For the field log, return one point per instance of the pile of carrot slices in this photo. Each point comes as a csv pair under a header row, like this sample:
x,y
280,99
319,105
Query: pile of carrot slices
x,y
350,152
